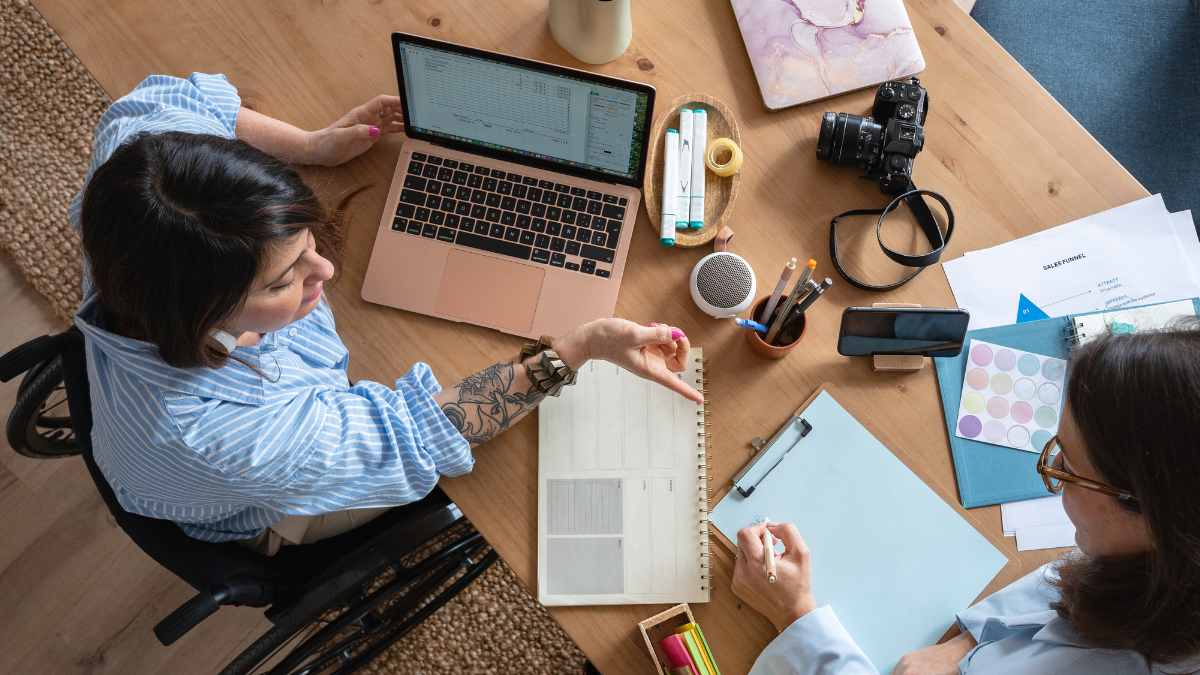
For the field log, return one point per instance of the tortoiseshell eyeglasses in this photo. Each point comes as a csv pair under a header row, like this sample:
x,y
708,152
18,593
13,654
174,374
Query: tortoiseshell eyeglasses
x,y
1050,466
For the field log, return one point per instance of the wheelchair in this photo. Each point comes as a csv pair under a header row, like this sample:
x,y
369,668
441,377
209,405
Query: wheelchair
x,y
335,605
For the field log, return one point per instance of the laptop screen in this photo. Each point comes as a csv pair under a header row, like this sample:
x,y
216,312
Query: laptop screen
x,y
562,119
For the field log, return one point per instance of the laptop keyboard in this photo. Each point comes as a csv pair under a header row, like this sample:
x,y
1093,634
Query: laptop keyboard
x,y
505,213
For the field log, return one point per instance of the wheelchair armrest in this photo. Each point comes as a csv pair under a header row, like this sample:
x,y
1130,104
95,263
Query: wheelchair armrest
x,y
235,591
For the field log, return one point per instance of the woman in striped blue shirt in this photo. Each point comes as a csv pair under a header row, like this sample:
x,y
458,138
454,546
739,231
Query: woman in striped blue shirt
x,y
219,387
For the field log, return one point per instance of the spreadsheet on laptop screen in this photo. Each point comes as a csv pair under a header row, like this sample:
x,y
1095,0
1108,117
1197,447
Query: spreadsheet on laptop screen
x,y
522,110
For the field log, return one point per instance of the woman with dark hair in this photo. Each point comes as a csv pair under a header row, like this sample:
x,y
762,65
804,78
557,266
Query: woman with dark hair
x,y
1127,463
218,381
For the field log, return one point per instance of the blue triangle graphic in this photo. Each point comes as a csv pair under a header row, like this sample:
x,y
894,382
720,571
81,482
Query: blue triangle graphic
x,y
1027,311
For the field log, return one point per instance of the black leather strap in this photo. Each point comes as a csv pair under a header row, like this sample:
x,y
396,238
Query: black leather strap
x,y
916,202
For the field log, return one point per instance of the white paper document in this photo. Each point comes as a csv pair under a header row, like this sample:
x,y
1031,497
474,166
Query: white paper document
x,y
619,480
1124,257
1038,523
1032,513
1045,536
1185,229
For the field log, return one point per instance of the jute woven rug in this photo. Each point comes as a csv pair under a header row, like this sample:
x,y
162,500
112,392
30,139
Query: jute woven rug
x,y
48,113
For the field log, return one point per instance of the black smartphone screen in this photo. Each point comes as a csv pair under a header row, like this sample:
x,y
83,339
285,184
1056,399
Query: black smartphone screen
x,y
867,331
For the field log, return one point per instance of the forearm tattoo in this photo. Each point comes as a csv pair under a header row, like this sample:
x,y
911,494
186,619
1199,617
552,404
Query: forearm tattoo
x,y
487,403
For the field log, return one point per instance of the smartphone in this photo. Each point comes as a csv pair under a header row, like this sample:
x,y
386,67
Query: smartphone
x,y
926,331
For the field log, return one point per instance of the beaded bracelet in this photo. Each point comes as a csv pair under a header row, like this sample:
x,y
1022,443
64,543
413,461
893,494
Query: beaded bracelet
x,y
548,374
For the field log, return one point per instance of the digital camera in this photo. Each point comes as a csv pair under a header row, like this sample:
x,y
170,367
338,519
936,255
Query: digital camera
x,y
885,150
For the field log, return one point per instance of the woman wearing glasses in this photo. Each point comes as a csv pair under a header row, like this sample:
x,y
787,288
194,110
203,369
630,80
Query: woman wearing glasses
x,y
1127,464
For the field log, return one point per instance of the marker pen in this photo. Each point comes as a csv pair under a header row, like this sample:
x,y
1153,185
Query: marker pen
x,y
683,196
670,185
699,143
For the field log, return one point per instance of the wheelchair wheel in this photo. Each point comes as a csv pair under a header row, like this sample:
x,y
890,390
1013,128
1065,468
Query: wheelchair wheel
x,y
375,613
40,423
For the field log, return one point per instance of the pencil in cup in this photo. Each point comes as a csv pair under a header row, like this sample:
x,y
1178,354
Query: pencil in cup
x,y
801,287
757,342
777,294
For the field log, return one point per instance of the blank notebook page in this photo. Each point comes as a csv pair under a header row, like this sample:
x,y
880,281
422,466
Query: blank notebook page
x,y
618,479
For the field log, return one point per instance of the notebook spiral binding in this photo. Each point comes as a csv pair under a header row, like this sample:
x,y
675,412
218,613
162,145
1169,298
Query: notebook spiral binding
x,y
1073,335
704,448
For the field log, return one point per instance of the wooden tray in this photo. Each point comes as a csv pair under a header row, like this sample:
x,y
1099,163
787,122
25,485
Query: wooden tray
x,y
719,192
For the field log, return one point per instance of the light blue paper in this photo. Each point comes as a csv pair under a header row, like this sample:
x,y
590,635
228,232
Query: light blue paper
x,y
893,559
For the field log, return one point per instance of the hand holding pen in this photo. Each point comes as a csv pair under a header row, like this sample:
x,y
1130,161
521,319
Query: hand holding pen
x,y
790,597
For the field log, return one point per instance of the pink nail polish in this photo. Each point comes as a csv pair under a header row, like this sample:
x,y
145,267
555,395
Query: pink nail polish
x,y
656,324
374,131
676,334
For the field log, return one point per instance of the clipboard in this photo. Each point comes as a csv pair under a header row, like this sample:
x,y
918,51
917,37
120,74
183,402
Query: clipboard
x,y
1005,547
930,553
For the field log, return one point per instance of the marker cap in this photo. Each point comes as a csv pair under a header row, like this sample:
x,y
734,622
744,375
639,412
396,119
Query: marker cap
x,y
667,242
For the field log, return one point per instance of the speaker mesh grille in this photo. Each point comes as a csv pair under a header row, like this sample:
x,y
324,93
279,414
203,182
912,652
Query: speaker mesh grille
x,y
723,281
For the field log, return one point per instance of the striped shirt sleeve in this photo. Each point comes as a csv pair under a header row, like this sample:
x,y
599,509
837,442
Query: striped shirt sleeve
x,y
325,450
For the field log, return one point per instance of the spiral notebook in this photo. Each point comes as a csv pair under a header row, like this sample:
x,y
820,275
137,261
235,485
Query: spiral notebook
x,y
620,488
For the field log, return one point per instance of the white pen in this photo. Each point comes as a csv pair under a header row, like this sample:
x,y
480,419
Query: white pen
x,y
669,186
684,195
769,549
699,144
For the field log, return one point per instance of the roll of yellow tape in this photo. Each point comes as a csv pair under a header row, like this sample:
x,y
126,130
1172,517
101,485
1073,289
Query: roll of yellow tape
x,y
735,157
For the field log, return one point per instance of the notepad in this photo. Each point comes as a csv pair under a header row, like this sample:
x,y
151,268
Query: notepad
x,y
1087,327
618,482
892,558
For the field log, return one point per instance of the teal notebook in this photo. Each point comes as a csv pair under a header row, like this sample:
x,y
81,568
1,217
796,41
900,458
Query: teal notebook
x,y
990,474
892,558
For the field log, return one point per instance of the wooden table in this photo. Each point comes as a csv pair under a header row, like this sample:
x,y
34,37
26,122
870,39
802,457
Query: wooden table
x,y
1011,160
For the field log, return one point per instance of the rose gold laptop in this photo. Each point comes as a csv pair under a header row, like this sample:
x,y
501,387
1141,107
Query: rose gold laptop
x,y
514,198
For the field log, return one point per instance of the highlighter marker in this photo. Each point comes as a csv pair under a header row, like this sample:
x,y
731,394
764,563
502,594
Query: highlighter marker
x,y
699,143
683,196
670,184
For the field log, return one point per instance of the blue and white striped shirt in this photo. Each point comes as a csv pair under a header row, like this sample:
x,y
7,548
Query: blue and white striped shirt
x,y
225,453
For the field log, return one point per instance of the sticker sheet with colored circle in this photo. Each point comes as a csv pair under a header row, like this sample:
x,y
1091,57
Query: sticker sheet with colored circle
x,y
1010,397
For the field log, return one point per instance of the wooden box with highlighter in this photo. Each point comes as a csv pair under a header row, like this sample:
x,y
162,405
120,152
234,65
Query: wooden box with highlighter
x,y
676,643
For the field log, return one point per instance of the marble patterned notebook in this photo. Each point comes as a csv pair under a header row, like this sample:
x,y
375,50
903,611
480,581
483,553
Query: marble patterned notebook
x,y
807,50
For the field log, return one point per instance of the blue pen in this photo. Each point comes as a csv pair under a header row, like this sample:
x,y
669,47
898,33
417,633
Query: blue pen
x,y
751,324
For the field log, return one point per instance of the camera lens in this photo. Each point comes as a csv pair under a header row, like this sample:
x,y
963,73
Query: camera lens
x,y
849,140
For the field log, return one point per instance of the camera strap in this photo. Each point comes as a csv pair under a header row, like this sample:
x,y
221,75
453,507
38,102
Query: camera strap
x,y
916,202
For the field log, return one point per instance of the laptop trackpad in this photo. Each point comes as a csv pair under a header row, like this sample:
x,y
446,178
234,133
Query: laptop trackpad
x,y
481,289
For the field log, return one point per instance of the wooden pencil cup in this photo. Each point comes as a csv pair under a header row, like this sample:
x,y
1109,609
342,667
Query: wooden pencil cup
x,y
758,346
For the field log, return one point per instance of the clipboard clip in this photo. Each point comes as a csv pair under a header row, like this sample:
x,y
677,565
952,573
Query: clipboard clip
x,y
763,448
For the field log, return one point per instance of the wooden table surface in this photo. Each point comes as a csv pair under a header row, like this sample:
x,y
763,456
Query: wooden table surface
x,y
1009,158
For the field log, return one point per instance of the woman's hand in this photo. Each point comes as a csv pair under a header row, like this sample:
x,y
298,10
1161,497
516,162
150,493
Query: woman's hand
x,y
355,133
936,660
790,597
655,353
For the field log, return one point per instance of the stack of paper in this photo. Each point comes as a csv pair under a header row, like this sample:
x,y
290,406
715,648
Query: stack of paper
x,y
1038,523
1136,254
